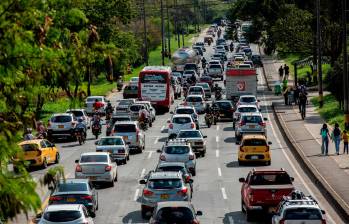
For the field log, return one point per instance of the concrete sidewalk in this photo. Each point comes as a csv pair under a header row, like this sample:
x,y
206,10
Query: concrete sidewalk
x,y
330,172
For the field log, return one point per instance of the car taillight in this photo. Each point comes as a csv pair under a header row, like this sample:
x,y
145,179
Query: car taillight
x,y
170,126
86,197
147,193
78,168
241,149
183,191
191,157
192,125
55,198
163,158
107,168
262,123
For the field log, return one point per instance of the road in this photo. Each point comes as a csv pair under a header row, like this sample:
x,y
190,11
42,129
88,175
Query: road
x,y
216,186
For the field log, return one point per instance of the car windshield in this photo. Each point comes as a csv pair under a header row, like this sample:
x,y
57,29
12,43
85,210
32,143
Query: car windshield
x,y
194,99
164,183
252,119
270,179
204,85
254,142
247,109
303,214
176,149
93,99
248,99
61,119
62,216
181,120
185,111
125,102
224,105
110,141
77,113
189,134
175,215
125,128
30,147
215,66
94,158
66,187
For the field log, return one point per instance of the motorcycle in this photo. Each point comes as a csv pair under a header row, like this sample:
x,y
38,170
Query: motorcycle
x,y
143,125
80,135
208,119
108,115
215,117
96,130
119,85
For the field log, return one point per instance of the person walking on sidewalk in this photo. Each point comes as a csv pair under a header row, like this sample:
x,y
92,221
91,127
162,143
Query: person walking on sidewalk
x,y
336,137
281,72
345,138
287,71
324,136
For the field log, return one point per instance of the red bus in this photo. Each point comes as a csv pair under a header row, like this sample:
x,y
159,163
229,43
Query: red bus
x,y
155,86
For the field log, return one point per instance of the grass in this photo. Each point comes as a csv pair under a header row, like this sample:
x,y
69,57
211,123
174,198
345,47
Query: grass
x,y
330,111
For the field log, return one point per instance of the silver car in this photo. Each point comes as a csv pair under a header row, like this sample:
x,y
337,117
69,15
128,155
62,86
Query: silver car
x,y
179,151
131,133
123,105
250,123
248,100
97,166
196,140
116,146
162,186
196,101
81,114
61,125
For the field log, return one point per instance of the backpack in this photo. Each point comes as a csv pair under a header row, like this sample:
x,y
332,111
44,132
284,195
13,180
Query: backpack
x,y
336,132
323,133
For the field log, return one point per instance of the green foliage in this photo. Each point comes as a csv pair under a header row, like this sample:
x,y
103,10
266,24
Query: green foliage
x,y
52,177
330,111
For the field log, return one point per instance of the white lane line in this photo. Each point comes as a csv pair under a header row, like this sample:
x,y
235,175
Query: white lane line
x,y
217,127
217,138
224,194
143,172
150,153
231,220
163,127
217,153
219,172
136,195
156,140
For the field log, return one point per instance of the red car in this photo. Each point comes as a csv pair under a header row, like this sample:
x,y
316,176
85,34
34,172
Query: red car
x,y
263,189
208,80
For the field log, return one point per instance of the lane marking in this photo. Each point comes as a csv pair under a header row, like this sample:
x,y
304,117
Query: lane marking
x,y
217,127
143,172
156,140
150,153
219,172
136,195
217,138
217,153
224,194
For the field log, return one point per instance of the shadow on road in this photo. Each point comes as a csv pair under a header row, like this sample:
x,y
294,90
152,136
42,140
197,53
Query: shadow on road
x,y
135,216
228,129
230,140
236,217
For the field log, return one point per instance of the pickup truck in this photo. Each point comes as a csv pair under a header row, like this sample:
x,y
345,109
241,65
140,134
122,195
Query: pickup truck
x,y
263,189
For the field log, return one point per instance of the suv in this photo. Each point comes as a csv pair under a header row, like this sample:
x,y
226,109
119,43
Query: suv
x,y
130,91
254,148
299,208
91,100
180,122
179,151
124,104
196,140
162,186
250,123
81,113
263,189
131,133
61,125
188,110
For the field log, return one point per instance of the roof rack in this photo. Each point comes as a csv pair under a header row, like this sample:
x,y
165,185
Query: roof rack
x,y
298,198
176,141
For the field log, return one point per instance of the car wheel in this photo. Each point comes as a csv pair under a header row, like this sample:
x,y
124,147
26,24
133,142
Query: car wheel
x,y
268,163
112,183
240,163
125,161
144,213
203,153
128,157
151,124
44,164
249,215
57,158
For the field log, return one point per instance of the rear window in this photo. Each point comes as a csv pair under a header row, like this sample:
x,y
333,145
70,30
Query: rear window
x,y
171,168
110,141
205,79
94,158
176,149
61,119
189,134
93,99
195,89
77,113
190,72
175,215
64,187
133,87
181,120
125,128
303,214
254,142
164,183
247,109
194,99
185,111
204,85
115,119
190,67
215,66
62,216
224,105
125,102
248,99
270,179
252,119
30,147
135,107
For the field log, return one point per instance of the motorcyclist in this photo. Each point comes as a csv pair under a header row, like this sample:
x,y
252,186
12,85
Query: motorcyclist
x,y
143,115
96,121
28,134
109,109
203,61
217,88
97,105
81,126
193,79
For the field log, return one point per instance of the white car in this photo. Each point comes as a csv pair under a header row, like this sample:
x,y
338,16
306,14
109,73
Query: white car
x,y
96,166
116,146
81,113
180,122
65,214
188,110
134,81
196,90
243,109
91,100
150,108
196,101
248,100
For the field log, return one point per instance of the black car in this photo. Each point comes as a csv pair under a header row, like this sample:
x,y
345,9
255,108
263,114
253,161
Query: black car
x,y
191,66
130,91
226,108
257,60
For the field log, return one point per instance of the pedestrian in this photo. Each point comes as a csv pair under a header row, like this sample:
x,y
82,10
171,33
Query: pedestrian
x,y
336,137
281,72
285,93
296,94
324,136
287,71
345,138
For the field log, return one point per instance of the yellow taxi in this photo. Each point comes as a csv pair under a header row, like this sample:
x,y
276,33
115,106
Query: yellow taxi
x,y
39,152
254,148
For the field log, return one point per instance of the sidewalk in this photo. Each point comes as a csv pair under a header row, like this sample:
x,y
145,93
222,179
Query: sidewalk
x,y
330,172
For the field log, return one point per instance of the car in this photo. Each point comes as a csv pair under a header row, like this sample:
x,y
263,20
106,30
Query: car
x,y
130,92
248,100
162,186
249,63
178,75
191,66
247,51
65,213
196,90
179,151
131,133
175,212
187,74
38,152
298,208
196,140
116,118
177,88
188,110
123,105
219,56
61,125
116,146
206,88
201,44
75,191
263,189
207,79
244,109
180,122
81,114
151,110
216,62
254,148
225,107
97,167
134,81
250,123
90,101
134,109
199,50
244,66
220,41
215,71
196,101
257,60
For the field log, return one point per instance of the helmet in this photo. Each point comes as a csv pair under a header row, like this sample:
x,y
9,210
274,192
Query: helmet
x,y
216,85
109,104
29,130
80,120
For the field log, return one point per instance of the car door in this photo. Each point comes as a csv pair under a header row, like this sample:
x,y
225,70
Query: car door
x,y
46,152
51,150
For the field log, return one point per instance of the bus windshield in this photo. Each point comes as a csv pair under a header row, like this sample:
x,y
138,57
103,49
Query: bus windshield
x,y
153,78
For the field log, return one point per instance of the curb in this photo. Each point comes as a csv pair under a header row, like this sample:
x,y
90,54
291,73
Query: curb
x,y
340,205
263,69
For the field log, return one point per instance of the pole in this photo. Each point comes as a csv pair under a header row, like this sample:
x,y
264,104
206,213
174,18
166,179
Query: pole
x,y
345,66
168,31
295,75
177,25
162,34
319,53
145,35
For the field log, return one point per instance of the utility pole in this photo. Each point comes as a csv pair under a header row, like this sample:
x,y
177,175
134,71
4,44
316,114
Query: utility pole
x,y
319,53
162,34
345,66
168,31
145,34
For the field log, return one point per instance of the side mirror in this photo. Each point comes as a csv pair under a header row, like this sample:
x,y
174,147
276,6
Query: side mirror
x,y
323,212
199,213
242,180
205,136
258,101
265,119
76,161
92,215
96,142
143,181
269,143
292,179
159,150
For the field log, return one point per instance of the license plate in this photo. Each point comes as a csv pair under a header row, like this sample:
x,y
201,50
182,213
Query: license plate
x,y
60,126
251,126
254,157
71,200
164,196
92,178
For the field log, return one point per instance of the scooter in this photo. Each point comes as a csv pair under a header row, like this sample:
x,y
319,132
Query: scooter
x,y
208,119
96,130
218,95
80,136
